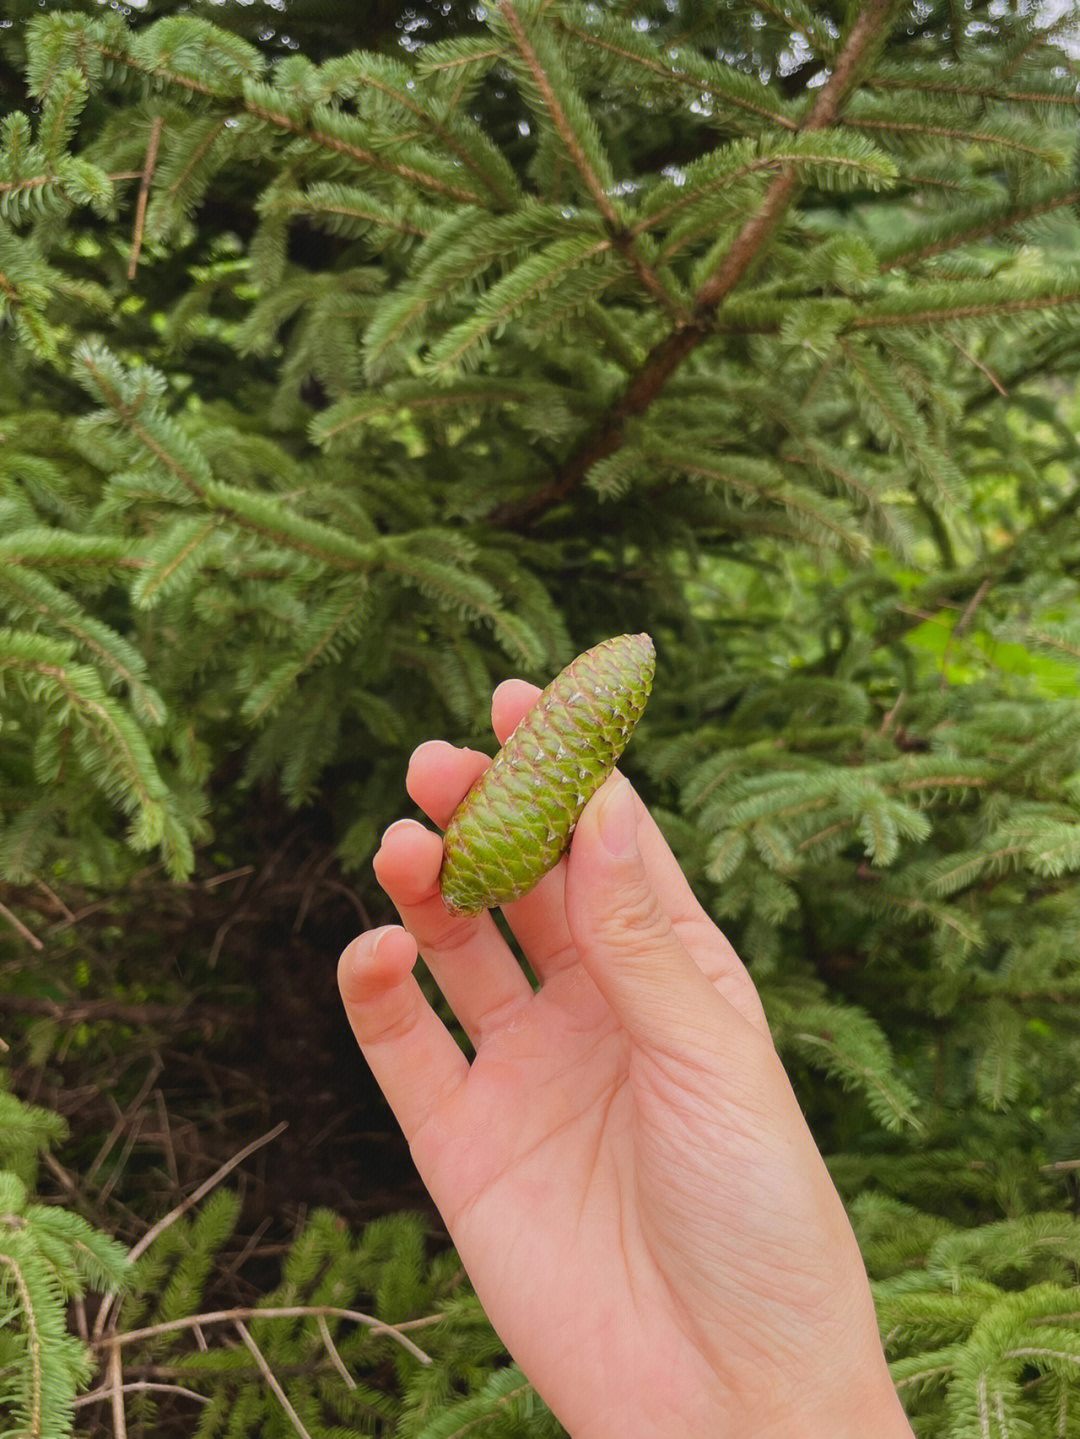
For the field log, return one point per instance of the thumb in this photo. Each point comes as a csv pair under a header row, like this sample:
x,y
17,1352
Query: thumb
x,y
626,939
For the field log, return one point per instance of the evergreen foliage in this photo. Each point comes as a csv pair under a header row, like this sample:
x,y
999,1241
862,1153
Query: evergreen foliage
x,y
338,1320
341,389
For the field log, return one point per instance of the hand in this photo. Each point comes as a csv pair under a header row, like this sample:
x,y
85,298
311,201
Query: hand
x,y
624,1167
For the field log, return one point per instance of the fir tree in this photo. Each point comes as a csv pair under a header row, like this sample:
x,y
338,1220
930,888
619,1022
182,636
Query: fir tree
x,y
341,389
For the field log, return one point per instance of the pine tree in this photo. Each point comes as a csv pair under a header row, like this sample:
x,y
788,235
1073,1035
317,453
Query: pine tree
x,y
341,390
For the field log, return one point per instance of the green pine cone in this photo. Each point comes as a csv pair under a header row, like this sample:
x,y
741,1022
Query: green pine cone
x,y
517,820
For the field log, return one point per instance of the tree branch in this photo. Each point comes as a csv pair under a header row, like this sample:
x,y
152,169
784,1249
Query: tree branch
x,y
608,435
144,194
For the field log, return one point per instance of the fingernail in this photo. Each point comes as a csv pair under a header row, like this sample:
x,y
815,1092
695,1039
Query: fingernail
x,y
379,935
618,820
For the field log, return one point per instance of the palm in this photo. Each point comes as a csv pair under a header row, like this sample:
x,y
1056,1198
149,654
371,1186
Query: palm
x,y
633,1214
540,1147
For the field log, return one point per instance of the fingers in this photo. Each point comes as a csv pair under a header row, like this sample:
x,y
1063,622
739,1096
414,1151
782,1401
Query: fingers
x,y
629,945
411,1053
438,778
467,956
538,919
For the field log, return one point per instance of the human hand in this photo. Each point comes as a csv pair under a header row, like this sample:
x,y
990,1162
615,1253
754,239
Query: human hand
x,y
623,1167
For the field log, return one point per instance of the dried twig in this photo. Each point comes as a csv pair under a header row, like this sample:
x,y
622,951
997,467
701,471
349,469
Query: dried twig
x,y
293,1311
961,625
167,1139
108,1304
331,1349
204,1188
16,923
123,1120
116,1389
886,723
980,366
61,906
97,1395
268,1375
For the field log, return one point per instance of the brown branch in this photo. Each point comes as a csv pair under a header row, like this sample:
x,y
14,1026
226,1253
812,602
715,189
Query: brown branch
x,y
109,1311
961,626
144,193
138,1386
124,1118
204,1188
16,922
116,1388
608,435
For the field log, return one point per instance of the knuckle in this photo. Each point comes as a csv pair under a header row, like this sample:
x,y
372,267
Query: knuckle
x,y
639,915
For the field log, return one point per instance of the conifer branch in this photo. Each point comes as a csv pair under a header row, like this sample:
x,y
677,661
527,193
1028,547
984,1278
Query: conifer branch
x,y
947,132
805,27
34,1343
201,150
496,52
666,356
981,92
310,204
1016,306
365,157
125,58
130,418
286,122
671,72
439,130
981,228
895,319
1037,38
36,182
623,238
